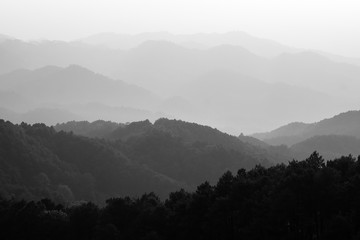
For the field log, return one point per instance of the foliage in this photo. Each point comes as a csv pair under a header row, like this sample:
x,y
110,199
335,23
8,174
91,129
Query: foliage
x,y
310,199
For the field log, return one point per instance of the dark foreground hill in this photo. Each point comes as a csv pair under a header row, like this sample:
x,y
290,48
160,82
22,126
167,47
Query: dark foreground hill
x,y
37,161
309,199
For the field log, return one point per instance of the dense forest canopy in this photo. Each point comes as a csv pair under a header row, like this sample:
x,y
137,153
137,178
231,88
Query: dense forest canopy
x,y
169,180
38,161
309,199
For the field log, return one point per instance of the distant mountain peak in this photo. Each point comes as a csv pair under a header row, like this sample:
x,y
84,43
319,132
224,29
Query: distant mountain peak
x,y
346,123
158,44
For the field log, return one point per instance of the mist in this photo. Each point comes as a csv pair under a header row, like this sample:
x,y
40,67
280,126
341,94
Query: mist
x,y
232,81
179,119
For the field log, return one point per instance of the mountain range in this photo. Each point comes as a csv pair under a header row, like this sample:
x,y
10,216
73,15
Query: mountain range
x,y
37,161
331,137
173,80
95,160
209,99
259,46
53,94
346,123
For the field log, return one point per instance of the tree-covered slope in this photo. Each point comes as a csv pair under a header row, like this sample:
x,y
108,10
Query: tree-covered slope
x,y
308,199
188,152
36,161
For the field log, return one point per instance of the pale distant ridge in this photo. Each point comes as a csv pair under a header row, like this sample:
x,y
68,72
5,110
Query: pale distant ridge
x,y
344,124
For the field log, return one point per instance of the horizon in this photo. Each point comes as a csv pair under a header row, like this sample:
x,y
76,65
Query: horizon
x,y
330,26
276,71
134,34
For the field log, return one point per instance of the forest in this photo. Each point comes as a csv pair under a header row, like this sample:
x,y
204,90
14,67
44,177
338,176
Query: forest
x,y
38,161
179,120
309,199
168,180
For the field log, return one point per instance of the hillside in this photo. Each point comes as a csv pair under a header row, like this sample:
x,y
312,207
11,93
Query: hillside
x,y
96,129
54,95
262,203
230,100
196,134
74,84
346,123
329,146
37,162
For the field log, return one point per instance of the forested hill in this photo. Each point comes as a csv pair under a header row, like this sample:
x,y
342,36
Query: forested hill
x,y
189,133
307,199
99,128
37,161
209,193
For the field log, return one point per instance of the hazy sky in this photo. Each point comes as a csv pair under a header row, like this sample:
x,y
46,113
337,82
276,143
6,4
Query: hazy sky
x,y
331,25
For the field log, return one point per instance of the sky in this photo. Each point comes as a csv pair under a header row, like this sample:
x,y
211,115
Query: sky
x,y
329,25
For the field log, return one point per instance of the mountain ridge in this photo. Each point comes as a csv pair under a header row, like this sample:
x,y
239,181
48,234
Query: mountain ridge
x,y
345,123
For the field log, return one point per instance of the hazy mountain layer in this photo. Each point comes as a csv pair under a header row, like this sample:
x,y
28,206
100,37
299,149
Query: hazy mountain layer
x,y
162,64
329,146
74,84
224,86
342,124
54,95
259,46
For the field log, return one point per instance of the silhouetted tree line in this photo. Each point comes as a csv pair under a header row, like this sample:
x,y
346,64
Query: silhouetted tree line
x,y
310,199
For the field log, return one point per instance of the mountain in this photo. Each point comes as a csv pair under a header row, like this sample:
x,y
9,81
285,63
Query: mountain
x,y
74,84
190,134
77,112
168,69
74,89
232,100
280,201
338,58
96,129
346,123
319,72
287,135
291,129
329,146
4,37
260,46
16,54
165,66
10,99
93,111
165,62
49,116
37,162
